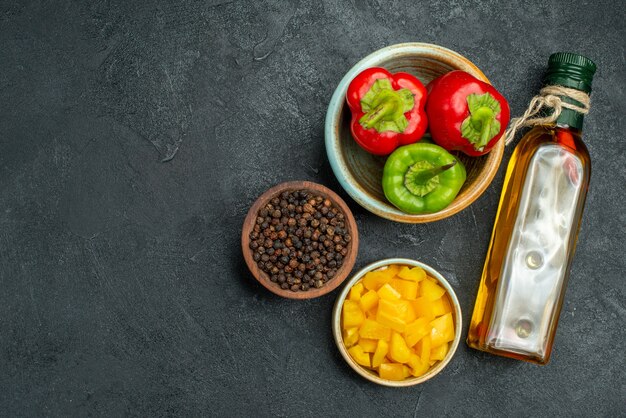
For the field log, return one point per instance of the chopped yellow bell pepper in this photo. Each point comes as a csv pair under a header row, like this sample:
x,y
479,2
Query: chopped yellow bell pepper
x,y
400,308
359,356
424,308
415,274
369,300
438,307
430,290
389,293
390,314
391,371
356,291
398,321
439,353
350,336
374,280
407,289
381,351
373,330
418,367
442,330
415,331
447,307
392,322
398,350
407,310
391,271
353,316
368,345
422,348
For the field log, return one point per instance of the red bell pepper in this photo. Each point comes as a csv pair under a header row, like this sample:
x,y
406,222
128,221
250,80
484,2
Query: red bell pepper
x,y
465,114
387,110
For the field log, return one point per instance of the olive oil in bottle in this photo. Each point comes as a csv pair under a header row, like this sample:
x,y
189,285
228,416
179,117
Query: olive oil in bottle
x,y
534,236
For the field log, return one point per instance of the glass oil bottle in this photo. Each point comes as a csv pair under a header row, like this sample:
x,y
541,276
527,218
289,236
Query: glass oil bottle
x,y
534,236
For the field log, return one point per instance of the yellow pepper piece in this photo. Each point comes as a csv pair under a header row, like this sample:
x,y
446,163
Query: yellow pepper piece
x,y
391,371
447,307
353,316
350,336
397,308
391,314
408,312
416,330
391,271
430,290
381,351
424,308
369,300
407,289
418,367
442,330
355,292
374,280
388,293
415,274
359,356
422,348
439,353
398,350
438,307
406,371
373,330
368,345
390,321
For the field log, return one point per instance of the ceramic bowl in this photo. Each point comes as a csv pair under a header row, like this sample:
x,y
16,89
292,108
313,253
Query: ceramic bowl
x,y
370,375
360,173
348,260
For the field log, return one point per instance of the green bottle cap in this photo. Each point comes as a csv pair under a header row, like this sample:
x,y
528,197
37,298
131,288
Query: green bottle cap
x,y
570,70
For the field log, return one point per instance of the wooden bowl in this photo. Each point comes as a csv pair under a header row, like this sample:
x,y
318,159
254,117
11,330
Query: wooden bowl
x,y
348,261
360,173
370,375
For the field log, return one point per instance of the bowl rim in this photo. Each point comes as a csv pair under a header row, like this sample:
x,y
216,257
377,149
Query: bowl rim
x,y
339,166
338,337
262,277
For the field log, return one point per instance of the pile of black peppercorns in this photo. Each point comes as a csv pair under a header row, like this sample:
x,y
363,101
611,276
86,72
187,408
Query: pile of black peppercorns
x,y
300,240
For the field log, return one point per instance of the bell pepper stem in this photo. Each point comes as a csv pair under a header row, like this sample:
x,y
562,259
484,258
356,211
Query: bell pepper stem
x,y
485,133
481,119
427,174
384,107
373,116
481,125
421,178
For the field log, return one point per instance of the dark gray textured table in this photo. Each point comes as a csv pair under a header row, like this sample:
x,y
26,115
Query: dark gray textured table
x,y
123,291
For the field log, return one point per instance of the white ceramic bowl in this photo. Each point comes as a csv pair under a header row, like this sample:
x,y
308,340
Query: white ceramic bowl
x,y
370,375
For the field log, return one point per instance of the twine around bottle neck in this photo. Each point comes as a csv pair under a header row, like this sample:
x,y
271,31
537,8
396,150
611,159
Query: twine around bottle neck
x,y
549,97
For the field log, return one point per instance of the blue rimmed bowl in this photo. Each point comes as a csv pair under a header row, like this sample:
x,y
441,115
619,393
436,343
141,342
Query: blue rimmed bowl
x,y
360,173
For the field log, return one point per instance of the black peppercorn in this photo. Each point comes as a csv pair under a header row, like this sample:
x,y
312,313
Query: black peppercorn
x,y
299,239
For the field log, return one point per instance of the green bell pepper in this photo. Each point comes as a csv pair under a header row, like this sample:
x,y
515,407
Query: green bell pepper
x,y
422,178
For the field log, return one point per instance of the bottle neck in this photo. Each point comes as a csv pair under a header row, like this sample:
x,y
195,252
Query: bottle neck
x,y
570,117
